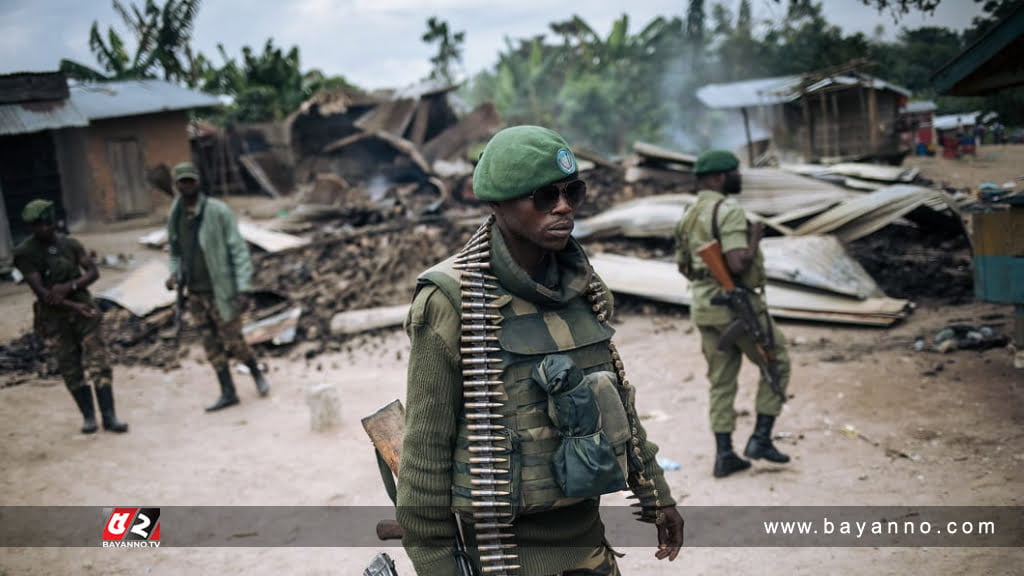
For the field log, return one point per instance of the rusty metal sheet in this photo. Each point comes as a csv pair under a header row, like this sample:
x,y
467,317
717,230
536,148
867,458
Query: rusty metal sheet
x,y
662,282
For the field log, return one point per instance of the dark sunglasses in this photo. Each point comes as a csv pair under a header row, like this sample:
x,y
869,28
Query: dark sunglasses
x,y
545,198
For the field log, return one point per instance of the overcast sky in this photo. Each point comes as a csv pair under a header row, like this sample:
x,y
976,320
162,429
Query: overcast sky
x,y
376,43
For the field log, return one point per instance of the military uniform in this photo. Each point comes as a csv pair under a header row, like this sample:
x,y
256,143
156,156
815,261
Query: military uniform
x,y
76,341
693,231
483,437
211,259
714,216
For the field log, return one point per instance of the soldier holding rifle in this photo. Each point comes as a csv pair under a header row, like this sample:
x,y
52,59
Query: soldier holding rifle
x,y
718,251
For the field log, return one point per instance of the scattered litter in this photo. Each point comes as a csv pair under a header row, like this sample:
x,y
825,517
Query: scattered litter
x,y
966,337
16,276
667,464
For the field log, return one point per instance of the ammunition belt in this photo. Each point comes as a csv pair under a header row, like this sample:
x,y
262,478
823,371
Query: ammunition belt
x,y
483,394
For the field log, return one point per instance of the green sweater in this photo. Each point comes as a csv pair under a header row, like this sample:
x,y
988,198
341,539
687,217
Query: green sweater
x,y
549,542
224,250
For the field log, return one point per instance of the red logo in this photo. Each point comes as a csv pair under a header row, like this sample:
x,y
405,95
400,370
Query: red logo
x,y
133,524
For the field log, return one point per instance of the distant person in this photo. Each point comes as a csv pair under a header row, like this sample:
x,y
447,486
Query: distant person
x,y
211,260
65,314
717,216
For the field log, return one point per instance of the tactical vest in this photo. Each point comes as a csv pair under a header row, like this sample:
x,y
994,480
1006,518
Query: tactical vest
x,y
527,334
506,440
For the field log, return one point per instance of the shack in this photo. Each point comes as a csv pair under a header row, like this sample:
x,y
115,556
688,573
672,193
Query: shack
x,y
825,116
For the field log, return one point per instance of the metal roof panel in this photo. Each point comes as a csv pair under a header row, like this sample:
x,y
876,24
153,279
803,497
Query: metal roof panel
x,y
30,117
134,97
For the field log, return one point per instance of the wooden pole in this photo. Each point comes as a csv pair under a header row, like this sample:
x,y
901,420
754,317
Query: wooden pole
x,y
836,117
824,124
750,143
864,112
808,132
873,118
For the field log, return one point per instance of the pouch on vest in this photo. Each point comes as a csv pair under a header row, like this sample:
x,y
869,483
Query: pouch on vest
x,y
585,465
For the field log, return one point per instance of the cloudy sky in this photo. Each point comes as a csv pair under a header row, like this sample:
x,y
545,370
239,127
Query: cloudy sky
x,y
376,43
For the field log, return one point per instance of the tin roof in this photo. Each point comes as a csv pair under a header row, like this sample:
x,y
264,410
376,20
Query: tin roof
x,y
915,106
134,97
991,64
778,90
30,117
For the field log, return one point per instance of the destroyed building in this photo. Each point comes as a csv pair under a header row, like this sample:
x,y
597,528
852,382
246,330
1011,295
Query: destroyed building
x,y
838,117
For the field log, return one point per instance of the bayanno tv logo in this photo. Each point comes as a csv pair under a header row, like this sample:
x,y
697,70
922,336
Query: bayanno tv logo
x,y
132,528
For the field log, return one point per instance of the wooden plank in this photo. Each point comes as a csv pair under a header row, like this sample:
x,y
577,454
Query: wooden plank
x,y
356,321
256,171
418,132
277,329
385,427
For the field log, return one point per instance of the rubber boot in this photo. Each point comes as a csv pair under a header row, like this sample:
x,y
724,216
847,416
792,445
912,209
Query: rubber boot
x,y
760,444
262,386
227,391
83,397
105,398
726,461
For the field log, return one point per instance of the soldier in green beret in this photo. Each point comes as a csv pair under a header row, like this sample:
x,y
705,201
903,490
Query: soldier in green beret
x,y
65,315
518,413
210,259
717,216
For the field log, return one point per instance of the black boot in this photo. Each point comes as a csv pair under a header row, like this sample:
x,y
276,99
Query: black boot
x,y
227,391
83,397
726,461
262,386
105,398
760,443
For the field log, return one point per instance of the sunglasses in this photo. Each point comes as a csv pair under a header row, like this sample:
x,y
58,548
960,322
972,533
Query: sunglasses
x,y
546,197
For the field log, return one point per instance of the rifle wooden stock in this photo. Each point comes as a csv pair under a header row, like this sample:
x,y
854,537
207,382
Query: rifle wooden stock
x,y
711,254
385,428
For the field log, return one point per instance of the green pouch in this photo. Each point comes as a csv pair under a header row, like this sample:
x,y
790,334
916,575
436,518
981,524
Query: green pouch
x,y
585,464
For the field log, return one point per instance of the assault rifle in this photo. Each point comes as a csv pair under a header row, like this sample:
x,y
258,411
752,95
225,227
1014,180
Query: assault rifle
x,y
179,302
738,300
385,427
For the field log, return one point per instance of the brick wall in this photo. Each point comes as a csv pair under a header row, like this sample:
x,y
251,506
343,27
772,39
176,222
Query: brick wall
x,y
163,138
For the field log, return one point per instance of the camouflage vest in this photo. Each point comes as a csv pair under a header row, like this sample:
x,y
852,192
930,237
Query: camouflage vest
x,y
526,334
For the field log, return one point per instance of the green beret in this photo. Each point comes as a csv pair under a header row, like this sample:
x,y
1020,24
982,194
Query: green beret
x,y
519,160
716,161
36,210
185,170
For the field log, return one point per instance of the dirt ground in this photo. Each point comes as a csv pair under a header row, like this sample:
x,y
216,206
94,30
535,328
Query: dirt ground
x,y
872,422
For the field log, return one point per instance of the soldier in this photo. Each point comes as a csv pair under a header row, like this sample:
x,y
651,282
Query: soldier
x,y
65,315
503,334
210,259
716,217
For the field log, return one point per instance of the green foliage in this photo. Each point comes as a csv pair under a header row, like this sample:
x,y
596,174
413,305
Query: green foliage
x,y
449,49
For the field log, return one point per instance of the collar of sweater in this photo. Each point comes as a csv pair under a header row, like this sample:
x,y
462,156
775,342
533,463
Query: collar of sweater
x,y
566,277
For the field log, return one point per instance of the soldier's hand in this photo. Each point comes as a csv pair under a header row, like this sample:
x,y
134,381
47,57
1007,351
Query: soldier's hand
x,y
84,310
670,534
170,283
58,293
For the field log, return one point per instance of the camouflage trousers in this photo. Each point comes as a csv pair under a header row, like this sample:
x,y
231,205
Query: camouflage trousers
x,y
601,562
77,344
221,340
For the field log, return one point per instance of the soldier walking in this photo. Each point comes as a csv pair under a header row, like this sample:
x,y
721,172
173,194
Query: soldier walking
x,y
717,216
210,260
65,314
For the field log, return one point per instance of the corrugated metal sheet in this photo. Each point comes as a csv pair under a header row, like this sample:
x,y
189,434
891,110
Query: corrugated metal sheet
x,y
778,90
26,118
135,97
916,106
949,121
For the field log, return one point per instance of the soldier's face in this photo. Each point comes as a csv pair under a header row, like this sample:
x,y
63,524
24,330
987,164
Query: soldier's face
x,y
733,183
43,230
188,187
528,227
